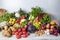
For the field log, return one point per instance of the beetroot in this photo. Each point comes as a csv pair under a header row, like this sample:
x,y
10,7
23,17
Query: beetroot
x,y
55,32
40,15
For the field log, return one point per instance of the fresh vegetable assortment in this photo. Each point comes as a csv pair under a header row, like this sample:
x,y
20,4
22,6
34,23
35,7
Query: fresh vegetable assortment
x,y
22,24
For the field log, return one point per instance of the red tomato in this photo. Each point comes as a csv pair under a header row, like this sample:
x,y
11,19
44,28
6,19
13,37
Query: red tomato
x,y
20,33
18,36
19,30
24,36
24,32
23,29
15,30
17,21
16,33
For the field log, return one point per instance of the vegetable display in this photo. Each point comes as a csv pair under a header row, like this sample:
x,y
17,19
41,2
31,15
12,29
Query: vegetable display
x,y
22,23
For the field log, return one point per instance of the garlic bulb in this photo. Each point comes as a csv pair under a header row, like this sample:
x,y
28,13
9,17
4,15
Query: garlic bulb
x,y
47,32
17,15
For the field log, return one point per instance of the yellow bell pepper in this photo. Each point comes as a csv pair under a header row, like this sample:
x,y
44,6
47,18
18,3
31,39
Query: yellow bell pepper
x,y
12,20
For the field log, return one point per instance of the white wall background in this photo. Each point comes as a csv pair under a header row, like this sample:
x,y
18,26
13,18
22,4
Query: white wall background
x,y
50,6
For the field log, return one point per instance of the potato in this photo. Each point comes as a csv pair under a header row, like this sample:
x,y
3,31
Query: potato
x,y
10,31
6,33
5,27
12,28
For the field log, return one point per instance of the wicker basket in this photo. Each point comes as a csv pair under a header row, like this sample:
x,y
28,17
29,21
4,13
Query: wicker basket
x,y
2,11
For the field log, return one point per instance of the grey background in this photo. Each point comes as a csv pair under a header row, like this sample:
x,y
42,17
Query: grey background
x,y
50,6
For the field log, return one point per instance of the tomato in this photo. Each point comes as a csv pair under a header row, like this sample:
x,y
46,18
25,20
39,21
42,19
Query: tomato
x,y
15,30
23,29
18,36
19,30
24,32
24,35
17,21
16,33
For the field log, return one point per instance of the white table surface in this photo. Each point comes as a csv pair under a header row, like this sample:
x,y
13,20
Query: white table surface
x,y
31,37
